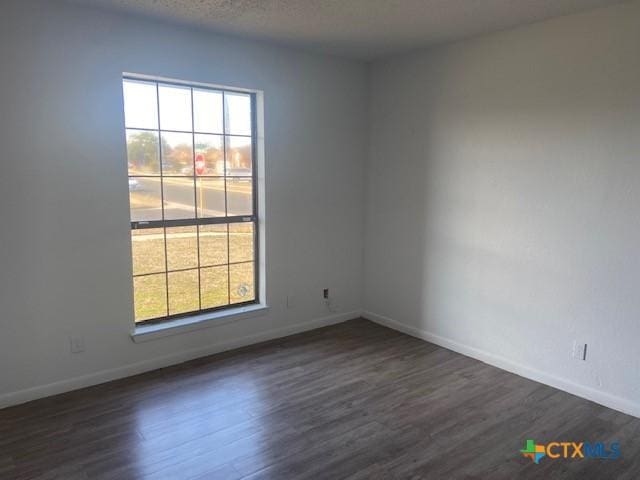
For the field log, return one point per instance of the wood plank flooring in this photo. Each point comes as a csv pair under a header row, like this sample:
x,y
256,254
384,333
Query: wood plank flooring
x,y
352,401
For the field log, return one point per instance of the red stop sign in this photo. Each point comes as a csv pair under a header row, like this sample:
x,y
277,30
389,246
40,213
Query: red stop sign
x,y
200,164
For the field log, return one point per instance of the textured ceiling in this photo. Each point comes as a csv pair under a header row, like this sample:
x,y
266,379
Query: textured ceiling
x,y
364,29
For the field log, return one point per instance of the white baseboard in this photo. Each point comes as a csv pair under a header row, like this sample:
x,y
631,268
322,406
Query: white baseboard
x,y
615,402
22,396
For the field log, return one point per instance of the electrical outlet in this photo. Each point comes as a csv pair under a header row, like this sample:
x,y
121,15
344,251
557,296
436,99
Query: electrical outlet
x,y
76,344
330,302
291,301
579,351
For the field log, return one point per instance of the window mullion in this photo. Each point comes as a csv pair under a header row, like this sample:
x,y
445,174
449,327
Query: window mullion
x,y
254,193
226,206
164,229
195,199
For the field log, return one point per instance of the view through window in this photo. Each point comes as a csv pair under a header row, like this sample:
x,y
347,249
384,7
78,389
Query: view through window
x,y
192,192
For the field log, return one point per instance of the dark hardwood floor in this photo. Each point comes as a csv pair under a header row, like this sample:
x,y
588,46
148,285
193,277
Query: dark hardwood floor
x,y
352,401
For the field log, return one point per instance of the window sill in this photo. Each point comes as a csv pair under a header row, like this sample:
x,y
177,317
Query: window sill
x,y
145,333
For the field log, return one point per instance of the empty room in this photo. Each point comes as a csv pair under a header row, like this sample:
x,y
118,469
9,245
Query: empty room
x,y
319,239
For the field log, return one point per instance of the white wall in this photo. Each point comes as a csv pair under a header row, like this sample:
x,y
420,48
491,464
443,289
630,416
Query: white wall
x,y
503,194
64,200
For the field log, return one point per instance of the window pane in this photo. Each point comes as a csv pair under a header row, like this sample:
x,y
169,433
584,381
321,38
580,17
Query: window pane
x,y
240,242
143,153
175,107
214,288
178,198
140,104
238,113
239,196
178,174
183,292
238,156
207,111
182,248
210,197
147,249
213,245
150,296
177,153
210,146
144,199
242,282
